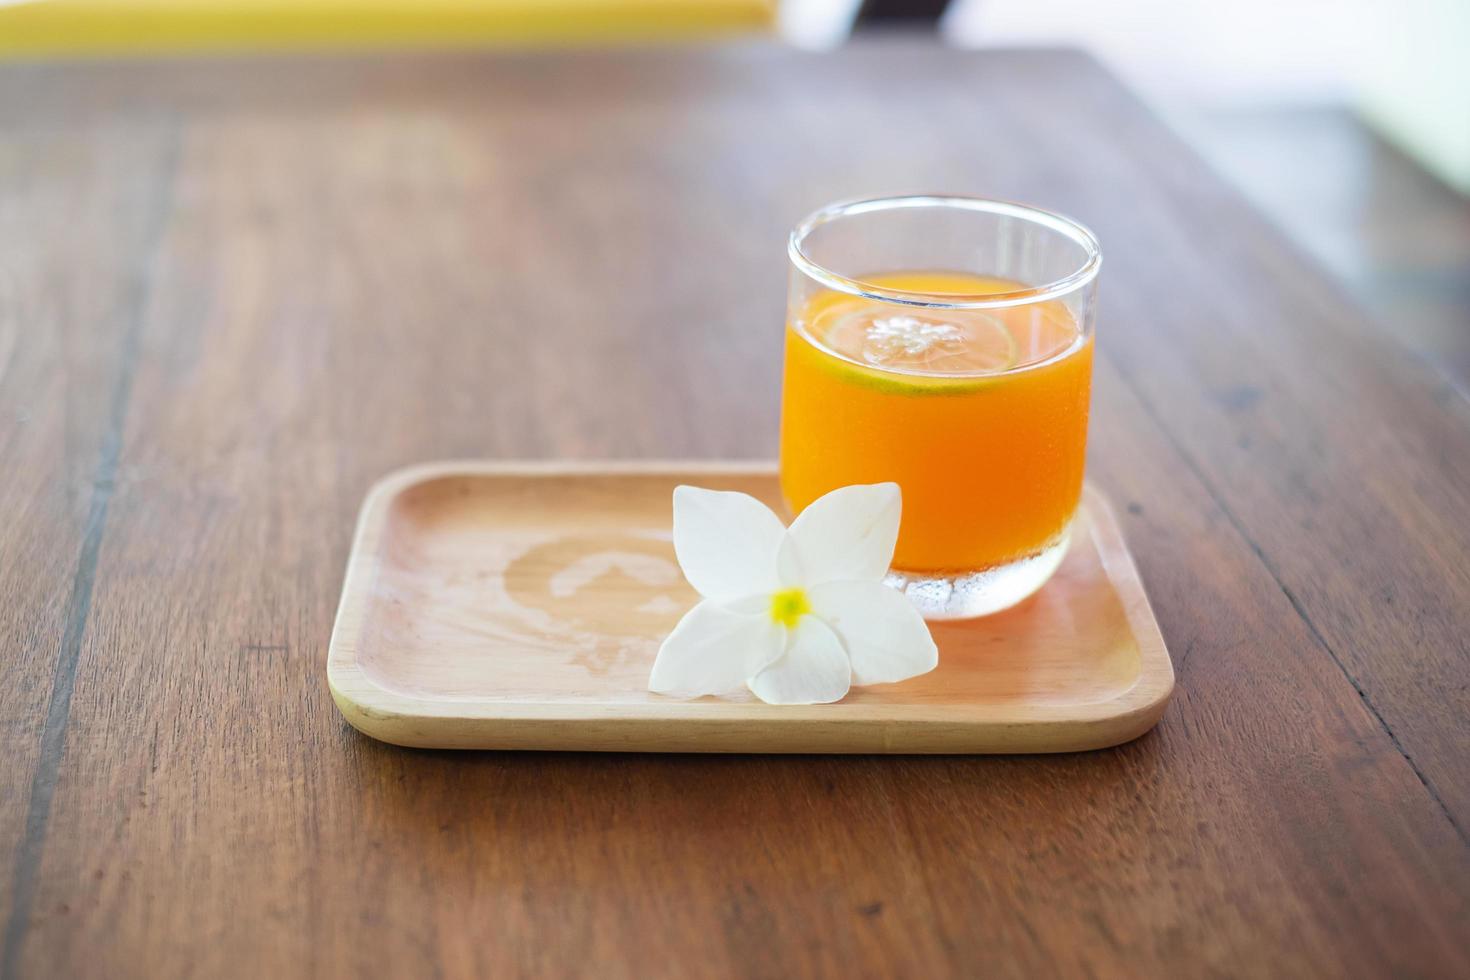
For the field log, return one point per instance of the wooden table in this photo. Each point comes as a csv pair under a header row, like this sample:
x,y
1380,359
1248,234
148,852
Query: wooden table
x,y
234,294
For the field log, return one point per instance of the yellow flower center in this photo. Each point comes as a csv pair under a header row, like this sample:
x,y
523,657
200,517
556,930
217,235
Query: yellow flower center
x,y
789,605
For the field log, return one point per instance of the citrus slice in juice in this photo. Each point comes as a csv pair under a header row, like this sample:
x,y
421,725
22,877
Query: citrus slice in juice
x,y
934,350
945,342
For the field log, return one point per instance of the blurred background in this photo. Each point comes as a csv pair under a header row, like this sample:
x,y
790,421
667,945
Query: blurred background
x,y
1346,121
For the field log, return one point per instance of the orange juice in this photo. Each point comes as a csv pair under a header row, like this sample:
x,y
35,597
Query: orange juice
x,y
980,416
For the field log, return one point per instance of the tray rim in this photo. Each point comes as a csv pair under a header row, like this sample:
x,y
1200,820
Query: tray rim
x,y
403,719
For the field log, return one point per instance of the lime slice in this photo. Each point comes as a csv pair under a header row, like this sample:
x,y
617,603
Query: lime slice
x,y
917,350
958,343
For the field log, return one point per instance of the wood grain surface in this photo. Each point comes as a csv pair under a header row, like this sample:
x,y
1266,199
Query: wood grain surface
x,y
234,294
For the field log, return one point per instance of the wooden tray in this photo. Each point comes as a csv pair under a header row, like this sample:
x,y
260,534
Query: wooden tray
x,y
520,605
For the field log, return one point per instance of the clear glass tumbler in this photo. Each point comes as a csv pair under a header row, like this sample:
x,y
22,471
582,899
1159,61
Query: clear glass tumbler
x,y
945,344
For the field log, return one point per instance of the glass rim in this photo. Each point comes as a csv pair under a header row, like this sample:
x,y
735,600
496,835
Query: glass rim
x,y
1074,230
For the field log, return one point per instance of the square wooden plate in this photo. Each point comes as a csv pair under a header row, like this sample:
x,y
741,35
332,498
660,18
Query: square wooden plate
x,y
520,605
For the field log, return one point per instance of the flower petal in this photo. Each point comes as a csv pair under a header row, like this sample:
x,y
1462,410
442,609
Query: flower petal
x,y
726,542
846,536
814,669
714,650
884,635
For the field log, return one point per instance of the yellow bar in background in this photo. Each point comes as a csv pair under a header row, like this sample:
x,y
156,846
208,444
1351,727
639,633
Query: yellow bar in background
x,y
42,28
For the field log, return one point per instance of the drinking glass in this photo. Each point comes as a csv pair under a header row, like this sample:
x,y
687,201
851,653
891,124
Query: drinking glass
x,y
945,344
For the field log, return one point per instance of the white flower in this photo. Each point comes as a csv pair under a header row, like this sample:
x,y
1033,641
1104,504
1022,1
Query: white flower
x,y
799,615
